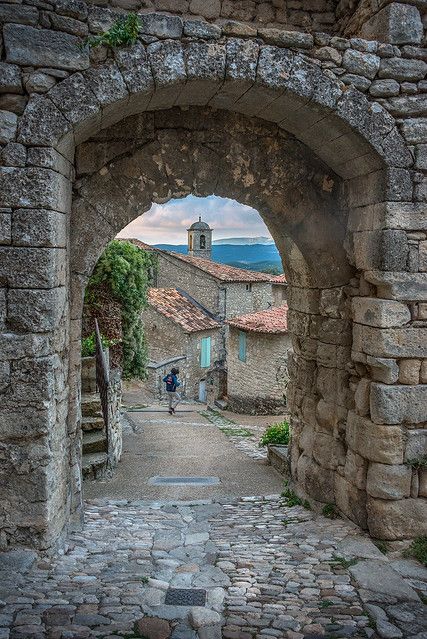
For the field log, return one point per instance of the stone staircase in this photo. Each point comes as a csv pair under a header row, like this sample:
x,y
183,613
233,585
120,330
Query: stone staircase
x,y
94,443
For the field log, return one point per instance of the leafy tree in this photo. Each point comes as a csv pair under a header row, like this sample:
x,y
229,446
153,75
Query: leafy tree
x,y
124,269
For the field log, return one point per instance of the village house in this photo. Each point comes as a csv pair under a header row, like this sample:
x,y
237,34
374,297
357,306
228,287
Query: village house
x,y
180,333
257,350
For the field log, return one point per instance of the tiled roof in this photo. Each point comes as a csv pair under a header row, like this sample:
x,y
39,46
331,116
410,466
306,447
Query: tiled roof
x,y
222,272
279,279
177,307
274,320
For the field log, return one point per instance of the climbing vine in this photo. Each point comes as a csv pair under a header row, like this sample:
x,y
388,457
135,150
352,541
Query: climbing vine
x,y
125,270
124,31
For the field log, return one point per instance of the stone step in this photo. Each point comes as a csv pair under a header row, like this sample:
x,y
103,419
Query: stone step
x,y
94,465
94,442
92,423
91,405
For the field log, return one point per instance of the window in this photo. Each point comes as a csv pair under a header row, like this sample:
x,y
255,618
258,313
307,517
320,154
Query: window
x,y
202,242
205,352
191,242
249,287
242,346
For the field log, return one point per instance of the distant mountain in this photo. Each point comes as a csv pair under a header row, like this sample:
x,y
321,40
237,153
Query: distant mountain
x,y
255,257
243,241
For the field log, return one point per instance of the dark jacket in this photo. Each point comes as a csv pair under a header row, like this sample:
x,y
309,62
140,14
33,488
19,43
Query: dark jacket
x,y
171,382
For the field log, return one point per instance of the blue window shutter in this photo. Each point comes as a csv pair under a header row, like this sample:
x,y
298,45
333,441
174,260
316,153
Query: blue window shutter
x,y
205,352
242,346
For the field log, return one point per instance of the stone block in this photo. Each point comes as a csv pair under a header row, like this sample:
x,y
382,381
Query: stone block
x,y
403,286
10,78
390,342
13,154
423,372
385,250
28,46
402,69
199,29
350,500
380,313
38,310
396,23
416,444
168,68
48,158
378,443
409,371
17,13
8,124
136,71
388,482
414,130
355,469
361,397
107,83
384,88
205,64
402,519
209,9
37,227
398,404
5,228
383,370
364,64
42,123
48,267
75,99
422,489
328,451
161,25
34,188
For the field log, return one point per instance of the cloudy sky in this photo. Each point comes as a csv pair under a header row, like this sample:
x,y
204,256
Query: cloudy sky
x,y
168,223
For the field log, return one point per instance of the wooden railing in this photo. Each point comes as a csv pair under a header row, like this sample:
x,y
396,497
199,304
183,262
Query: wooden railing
x,y
102,379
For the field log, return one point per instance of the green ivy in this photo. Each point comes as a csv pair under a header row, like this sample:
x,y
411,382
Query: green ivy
x,y
124,31
125,270
89,344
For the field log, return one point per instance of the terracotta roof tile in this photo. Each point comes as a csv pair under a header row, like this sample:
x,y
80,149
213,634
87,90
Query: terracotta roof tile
x,y
273,320
221,272
177,307
279,279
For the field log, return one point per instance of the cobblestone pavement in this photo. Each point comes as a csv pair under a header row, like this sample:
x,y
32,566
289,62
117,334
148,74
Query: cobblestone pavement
x,y
268,570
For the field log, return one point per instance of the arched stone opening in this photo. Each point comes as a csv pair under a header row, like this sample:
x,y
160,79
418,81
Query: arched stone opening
x,y
356,149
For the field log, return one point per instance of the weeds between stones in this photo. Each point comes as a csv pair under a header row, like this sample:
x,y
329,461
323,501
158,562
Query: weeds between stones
x,y
330,511
418,550
344,563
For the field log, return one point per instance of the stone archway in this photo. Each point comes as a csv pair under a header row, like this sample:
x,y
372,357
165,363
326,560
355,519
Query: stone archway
x,y
343,393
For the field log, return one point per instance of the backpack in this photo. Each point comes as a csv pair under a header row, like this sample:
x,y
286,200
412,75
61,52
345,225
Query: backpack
x,y
170,383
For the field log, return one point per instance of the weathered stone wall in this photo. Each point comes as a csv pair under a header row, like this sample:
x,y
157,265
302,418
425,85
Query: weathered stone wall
x,y
154,386
258,386
174,273
337,171
247,297
165,339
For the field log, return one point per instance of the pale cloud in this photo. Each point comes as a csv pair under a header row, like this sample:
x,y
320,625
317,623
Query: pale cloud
x,y
168,223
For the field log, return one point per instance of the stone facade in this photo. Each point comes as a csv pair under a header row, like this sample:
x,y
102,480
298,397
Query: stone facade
x,y
324,134
166,339
258,385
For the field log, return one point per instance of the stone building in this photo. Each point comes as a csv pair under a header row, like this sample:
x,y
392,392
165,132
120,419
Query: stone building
x,y
200,240
257,352
179,330
225,291
312,113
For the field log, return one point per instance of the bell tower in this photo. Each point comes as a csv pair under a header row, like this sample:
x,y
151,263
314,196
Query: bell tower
x,y
200,240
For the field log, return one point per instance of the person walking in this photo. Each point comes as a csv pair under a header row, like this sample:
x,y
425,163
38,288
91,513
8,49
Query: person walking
x,y
172,383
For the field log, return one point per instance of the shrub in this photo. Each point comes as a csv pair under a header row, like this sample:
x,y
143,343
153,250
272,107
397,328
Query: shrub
x,y
330,511
276,434
89,344
418,550
124,31
124,269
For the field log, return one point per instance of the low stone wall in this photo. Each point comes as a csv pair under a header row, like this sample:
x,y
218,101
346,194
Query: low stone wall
x,y
277,456
251,405
115,438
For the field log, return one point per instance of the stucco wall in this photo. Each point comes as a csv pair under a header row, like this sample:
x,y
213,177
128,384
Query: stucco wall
x,y
259,384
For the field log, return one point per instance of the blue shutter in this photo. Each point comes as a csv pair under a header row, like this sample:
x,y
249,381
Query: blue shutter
x,y
242,346
205,352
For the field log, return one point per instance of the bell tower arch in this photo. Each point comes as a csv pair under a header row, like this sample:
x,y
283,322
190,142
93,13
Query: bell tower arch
x,y
200,240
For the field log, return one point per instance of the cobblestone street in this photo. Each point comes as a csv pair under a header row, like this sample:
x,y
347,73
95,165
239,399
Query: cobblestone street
x,y
268,570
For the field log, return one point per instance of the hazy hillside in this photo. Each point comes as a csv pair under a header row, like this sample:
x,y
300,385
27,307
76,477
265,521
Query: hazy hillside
x,y
257,257
243,240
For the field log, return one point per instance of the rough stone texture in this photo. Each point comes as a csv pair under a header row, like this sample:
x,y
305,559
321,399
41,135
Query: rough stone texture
x,y
388,482
353,219
43,48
